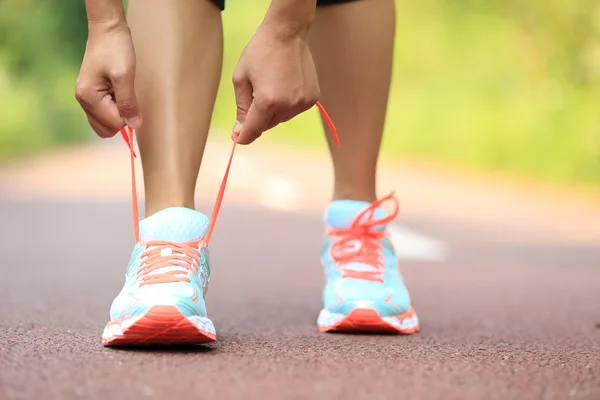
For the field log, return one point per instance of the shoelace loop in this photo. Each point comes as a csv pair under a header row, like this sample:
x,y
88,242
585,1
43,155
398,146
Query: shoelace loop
x,y
162,254
360,243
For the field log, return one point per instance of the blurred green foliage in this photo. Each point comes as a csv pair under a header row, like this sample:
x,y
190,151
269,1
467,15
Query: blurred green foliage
x,y
495,84
505,85
41,43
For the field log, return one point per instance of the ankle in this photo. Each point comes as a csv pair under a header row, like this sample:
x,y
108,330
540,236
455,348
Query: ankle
x,y
358,195
155,205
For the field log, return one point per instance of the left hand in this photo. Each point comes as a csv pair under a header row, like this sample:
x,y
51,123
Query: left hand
x,y
274,81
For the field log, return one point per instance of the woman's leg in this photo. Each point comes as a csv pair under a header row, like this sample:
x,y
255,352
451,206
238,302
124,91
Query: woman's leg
x,y
352,44
179,48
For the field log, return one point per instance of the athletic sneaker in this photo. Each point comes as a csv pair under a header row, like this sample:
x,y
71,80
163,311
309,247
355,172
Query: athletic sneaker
x,y
162,301
364,291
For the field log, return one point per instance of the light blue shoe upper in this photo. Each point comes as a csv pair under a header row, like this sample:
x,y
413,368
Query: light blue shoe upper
x,y
381,288
177,226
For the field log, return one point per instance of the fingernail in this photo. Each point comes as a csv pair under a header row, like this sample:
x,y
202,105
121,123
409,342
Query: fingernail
x,y
237,127
235,136
134,122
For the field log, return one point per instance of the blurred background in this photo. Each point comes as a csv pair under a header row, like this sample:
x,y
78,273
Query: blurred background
x,y
493,85
504,275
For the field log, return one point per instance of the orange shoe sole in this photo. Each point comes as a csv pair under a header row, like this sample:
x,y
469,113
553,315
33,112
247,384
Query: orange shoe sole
x,y
164,325
367,320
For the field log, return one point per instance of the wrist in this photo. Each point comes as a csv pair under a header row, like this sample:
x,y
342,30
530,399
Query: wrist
x,y
288,30
100,27
290,22
105,15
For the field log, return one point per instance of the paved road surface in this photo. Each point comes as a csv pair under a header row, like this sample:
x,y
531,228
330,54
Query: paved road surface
x,y
505,314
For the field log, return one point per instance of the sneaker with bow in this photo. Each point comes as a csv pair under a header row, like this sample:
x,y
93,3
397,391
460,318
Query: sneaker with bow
x,y
364,290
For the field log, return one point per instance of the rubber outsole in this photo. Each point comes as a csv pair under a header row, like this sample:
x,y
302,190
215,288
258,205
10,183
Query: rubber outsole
x,y
368,320
161,325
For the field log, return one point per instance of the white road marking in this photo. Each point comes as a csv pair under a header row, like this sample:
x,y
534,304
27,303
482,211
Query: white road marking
x,y
279,193
412,245
283,194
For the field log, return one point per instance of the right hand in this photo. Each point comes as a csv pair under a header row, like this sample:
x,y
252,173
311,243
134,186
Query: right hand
x,y
105,86
274,81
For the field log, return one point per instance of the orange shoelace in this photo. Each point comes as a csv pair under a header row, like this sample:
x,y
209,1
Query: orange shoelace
x,y
181,258
359,243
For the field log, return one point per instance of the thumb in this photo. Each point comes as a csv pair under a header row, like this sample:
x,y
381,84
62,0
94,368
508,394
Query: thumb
x,y
243,99
257,121
126,100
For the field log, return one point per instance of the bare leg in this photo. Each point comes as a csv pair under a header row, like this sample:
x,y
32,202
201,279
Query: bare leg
x,y
352,45
179,48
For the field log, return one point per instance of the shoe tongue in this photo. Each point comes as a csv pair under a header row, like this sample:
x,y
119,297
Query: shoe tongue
x,y
175,224
342,213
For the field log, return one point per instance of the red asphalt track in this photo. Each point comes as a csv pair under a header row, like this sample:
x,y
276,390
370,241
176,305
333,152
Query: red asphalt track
x,y
501,318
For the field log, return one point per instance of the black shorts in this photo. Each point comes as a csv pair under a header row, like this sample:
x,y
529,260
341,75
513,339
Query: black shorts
x,y
221,3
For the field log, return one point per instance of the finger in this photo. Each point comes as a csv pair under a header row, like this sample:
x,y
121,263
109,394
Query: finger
x,y
243,99
256,122
126,100
100,129
108,115
102,108
282,117
276,120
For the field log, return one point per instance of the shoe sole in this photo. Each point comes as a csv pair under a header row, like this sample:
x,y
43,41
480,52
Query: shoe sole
x,y
161,325
368,320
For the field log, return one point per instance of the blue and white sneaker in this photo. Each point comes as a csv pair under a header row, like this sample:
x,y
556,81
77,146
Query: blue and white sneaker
x,y
364,291
162,301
